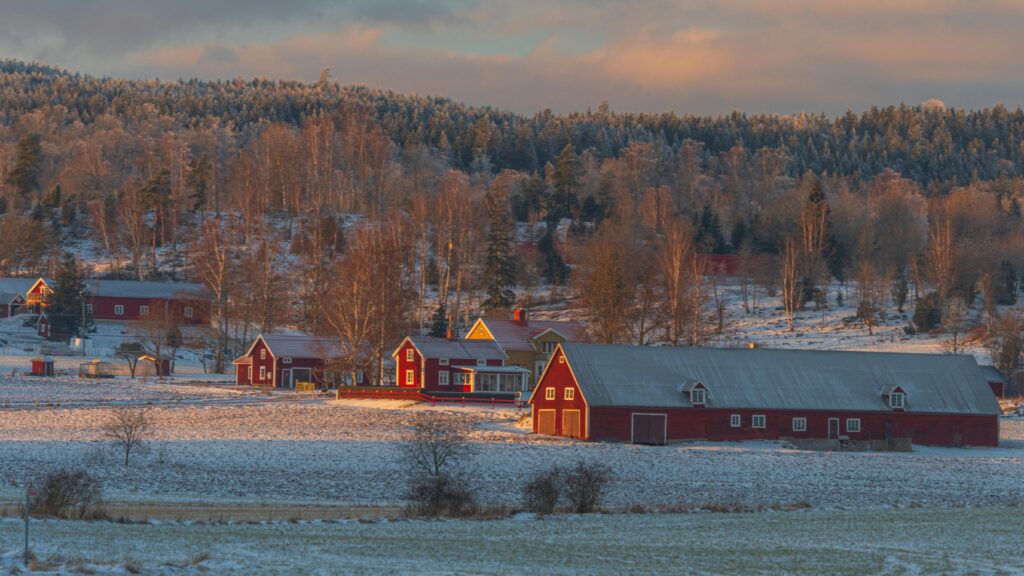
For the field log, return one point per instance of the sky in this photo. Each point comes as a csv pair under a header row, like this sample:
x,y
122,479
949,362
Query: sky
x,y
688,56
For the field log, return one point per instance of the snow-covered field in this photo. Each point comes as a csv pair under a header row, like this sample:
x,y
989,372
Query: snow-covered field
x,y
907,541
210,445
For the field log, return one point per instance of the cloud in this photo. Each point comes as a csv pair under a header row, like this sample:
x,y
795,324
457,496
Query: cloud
x,y
645,55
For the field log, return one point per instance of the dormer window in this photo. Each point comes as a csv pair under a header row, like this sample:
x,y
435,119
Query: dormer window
x,y
698,396
897,400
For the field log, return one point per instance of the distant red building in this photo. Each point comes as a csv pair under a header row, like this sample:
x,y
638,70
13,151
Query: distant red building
x,y
279,361
450,365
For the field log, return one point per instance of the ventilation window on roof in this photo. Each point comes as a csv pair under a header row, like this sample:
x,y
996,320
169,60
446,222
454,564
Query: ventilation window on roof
x,y
698,396
897,400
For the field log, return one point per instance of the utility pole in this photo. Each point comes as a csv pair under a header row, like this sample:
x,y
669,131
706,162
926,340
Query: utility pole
x,y
28,492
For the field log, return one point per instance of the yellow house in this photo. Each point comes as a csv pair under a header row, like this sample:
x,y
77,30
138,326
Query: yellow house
x,y
528,343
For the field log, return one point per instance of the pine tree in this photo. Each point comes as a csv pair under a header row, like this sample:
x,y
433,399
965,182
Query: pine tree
x,y
566,177
198,180
553,268
500,264
66,306
439,323
25,175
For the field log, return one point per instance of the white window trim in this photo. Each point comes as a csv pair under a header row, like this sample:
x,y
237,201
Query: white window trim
x,y
263,353
409,355
799,424
754,418
286,360
442,361
143,310
250,373
263,373
735,420
856,425
698,396
118,309
549,393
442,378
481,362
901,403
410,377
188,311
569,394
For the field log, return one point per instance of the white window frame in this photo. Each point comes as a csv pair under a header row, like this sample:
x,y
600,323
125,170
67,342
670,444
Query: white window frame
x,y
763,420
698,396
442,361
569,394
250,372
410,377
897,400
143,310
263,373
799,424
549,393
263,353
409,355
735,420
549,348
286,360
188,312
118,309
853,425
88,308
481,362
442,378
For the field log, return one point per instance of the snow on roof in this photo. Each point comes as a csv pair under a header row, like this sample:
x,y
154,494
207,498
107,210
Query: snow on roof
x,y
778,379
136,289
16,286
302,346
444,348
512,335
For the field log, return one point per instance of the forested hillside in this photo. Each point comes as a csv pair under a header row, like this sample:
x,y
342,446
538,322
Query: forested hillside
x,y
365,213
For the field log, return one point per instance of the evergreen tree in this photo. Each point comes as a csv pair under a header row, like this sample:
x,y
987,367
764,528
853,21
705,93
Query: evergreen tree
x,y
709,232
66,306
1006,289
25,175
553,268
197,180
566,178
439,323
500,261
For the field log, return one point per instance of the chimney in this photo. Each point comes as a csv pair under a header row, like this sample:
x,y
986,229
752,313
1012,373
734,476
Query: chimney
x,y
520,316
449,334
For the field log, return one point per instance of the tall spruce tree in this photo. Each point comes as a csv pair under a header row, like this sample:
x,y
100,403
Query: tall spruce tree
x,y
439,323
198,180
566,177
553,268
66,308
25,175
500,264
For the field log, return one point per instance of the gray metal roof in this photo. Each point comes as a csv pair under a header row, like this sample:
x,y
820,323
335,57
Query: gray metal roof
x,y
302,346
444,348
16,285
135,289
778,379
993,374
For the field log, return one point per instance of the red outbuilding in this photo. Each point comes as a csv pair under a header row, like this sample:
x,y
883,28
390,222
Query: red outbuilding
x,y
281,361
450,365
654,395
183,302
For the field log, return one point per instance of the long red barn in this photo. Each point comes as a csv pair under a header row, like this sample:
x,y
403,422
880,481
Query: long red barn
x,y
655,395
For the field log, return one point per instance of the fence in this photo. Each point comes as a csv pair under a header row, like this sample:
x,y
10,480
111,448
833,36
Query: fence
x,y
395,393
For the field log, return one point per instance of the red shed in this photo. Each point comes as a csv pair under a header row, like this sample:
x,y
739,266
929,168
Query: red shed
x,y
449,365
654,395
42,366
282,360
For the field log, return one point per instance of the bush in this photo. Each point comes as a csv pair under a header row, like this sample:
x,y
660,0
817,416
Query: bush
x,y
585,486
542,492
927,313
69,494
440,495
433,465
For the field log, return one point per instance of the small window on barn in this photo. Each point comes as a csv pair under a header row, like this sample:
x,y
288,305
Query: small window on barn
x,y
561,359
409,354
263,373
410,377
757,421
263,354
897,400
570,393
119,310
481,362
188,311
853,424
286,360
698,396
143,310
443,361
735,420
800,424
442,378
549,393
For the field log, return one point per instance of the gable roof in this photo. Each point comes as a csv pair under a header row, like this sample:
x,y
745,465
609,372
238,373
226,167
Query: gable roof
x,y
300,346
992,374
778,379
16,286
431,347
518,336
136,289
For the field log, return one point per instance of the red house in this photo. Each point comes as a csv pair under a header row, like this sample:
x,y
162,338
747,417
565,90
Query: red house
x,y
130,300
12,294
654,395
280,361
449,365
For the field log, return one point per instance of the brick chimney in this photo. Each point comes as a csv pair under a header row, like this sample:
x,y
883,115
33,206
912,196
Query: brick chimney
x,y
520,316
449,334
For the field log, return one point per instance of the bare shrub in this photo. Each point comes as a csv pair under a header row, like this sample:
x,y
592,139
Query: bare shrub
x,y
127,427
433,460
542,491
69,494
585,486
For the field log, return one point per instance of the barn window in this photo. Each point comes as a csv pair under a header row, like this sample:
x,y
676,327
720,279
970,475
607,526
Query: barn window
x,y
119,309
757,421
800,424
897,400
263,373
481,362
443,361
409,354
561,359
735,420
570,393
442,378
263,354
410,377
286,360
143,310
549,393
250,373
697,396
853,424
188,311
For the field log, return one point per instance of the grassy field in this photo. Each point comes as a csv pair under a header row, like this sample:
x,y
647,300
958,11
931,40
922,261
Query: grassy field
x,y
889,541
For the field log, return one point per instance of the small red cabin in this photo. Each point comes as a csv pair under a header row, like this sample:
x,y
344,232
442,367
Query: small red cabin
x,y
450,365
281,361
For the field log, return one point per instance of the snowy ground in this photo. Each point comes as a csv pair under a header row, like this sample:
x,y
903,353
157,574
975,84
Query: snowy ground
x,y
212,444
907,541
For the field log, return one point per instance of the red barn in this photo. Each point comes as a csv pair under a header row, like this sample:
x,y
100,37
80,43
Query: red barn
x,y
130,300
279,361
449,365
654,395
